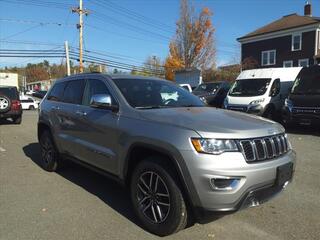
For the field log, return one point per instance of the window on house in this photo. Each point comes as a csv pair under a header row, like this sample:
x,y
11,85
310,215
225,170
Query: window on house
x,y
296,42
287,64
268,57
304,62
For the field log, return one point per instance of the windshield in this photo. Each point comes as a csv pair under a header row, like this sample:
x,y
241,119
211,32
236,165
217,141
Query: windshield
x,y
207,87
250,87
149,93
307,82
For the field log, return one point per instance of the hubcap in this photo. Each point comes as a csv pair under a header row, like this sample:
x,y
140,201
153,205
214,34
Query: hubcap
x,y
47,151
3,103
153,197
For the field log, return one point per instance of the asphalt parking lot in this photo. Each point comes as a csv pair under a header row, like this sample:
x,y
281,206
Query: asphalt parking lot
x,y
77,203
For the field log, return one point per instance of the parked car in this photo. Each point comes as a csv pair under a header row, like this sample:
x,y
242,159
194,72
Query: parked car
x,y
303,103
186,87
30,92
261,91
212,93
29,103
177,156
10,106
39,94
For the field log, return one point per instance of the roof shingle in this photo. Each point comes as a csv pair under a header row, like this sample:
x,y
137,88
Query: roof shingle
x,y
286,22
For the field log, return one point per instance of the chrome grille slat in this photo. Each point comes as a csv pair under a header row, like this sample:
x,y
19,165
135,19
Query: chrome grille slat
x,y
259,149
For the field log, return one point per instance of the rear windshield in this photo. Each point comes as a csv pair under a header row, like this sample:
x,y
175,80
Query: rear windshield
x,y
10,92
250,87
307,82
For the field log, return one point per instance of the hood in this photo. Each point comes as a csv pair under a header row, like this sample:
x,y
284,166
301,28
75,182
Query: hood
x,y
214,123
305,100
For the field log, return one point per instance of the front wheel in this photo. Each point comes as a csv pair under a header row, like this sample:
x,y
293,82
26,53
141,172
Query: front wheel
x,y
157,199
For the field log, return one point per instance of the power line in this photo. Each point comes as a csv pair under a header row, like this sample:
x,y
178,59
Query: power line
x,y
34,22
23,31
133,15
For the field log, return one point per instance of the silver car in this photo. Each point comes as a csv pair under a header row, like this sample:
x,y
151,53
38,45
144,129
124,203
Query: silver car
x,y
179,158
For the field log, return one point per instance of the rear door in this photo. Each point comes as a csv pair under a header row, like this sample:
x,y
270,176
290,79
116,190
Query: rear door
x,y
68,116
97,129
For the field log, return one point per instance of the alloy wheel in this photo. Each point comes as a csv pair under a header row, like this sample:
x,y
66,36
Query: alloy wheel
x,y
153,197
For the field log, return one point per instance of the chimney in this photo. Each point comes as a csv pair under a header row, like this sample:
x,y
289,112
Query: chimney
x,y
308,9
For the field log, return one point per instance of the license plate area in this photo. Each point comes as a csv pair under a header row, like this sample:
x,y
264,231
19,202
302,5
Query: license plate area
x,y
284,174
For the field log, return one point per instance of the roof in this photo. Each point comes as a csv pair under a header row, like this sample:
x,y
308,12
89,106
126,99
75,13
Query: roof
x,y
284,23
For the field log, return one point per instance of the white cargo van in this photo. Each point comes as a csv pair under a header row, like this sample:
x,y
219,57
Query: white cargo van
x,y
261,91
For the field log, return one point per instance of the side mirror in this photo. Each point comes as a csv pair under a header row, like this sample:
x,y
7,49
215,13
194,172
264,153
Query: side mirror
x,y
103,101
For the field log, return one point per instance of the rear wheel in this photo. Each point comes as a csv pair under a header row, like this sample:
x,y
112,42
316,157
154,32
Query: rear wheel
x,y
49,153
5,104
31,107
157,199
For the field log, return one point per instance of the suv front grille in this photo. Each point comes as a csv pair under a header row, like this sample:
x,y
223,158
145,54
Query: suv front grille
x,y
260,149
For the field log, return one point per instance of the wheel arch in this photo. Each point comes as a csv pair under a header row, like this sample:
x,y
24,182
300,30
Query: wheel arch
x,y
139,151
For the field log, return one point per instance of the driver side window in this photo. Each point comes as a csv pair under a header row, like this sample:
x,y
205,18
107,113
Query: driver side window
x,y
275,88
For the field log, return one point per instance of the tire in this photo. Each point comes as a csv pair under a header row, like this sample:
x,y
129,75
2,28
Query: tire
x,y
49,153
5,104
17,120
167,211
31,107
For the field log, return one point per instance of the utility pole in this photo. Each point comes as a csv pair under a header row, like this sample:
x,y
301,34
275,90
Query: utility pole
x,y
80,11
67,57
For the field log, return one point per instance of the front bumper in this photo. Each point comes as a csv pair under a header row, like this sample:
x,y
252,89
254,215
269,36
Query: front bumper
x,y
304,116
251,109
254,179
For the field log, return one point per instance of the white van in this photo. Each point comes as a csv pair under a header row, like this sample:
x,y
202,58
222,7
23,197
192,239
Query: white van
x,y
261,91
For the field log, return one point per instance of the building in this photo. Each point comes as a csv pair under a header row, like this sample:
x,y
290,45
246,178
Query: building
x,y
43,85
189,76
9,79
290,41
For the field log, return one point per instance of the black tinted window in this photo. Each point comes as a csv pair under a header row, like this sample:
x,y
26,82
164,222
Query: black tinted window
x,y
27,101
308,81
94,87
74,91
57,92
10,92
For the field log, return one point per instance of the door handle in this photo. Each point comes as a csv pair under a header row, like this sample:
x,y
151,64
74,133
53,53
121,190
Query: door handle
x,y
80,113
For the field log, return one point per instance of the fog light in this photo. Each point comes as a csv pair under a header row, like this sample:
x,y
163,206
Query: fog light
x,y
224,184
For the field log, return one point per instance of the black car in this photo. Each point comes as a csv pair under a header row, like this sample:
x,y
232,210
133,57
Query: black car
x,y
303,103
39,94
10,105
212,93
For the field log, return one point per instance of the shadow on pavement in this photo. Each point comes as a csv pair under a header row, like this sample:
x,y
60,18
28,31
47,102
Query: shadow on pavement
x,y
109,191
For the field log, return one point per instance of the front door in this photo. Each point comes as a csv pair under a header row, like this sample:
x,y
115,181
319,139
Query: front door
x,y
98,134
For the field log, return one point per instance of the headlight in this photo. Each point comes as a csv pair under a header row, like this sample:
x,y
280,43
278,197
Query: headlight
x,y
288,103
214,146
256,102
203,99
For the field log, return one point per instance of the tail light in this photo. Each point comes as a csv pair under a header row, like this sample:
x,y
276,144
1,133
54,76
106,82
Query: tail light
x,y
15,105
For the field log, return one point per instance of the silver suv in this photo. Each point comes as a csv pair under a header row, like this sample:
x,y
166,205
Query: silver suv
x,y
178,157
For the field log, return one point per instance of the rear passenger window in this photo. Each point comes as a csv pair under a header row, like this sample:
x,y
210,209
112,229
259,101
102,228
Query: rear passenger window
x,y
57,92
74,91
94,87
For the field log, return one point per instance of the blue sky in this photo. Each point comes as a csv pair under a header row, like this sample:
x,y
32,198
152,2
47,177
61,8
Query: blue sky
x,y
123,38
